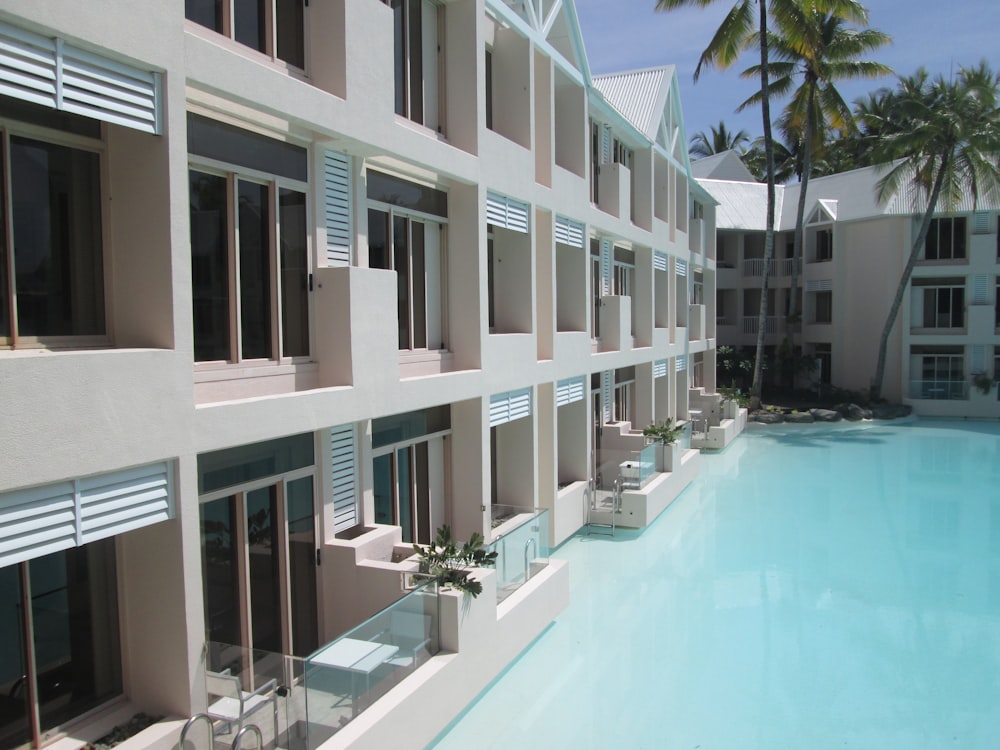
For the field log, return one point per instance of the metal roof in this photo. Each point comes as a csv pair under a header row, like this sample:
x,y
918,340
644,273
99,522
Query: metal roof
x,y
639,95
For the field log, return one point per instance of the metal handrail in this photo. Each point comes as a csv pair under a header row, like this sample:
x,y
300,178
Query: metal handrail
x,y
190,723
249,728
527,561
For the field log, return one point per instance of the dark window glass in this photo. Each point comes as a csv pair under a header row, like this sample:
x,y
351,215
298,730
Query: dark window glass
x,y
415,59
489,88
220,570
233,145
245,463
418,271
294,273
302,566
400,254
384,483
46,117
249,25
4,276
423,525
208,13
396,192
378,240
264,542
399,54
74,608
414,424
405,488
14,727
209,266
56,218
255,271
290,29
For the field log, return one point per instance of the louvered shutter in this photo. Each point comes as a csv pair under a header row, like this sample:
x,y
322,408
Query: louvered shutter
x,y
511,406
660,368
981,222
606,379
42,520
343,469
978,358
606,266
569,391
605,144
660,261
682,363
681,267
819,285
981,289
49,72
506,213
337,178
569,232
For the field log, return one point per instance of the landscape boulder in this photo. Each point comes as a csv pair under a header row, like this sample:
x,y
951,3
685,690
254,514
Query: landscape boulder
x,y
853,412
800,417
826,415
768,417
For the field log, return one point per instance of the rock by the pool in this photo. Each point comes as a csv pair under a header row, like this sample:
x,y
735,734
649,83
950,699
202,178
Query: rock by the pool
x,y
891,411
768,417
825,415
801,417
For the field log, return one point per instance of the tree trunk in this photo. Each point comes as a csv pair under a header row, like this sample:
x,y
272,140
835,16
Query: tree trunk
x,y
798,245
765,108
897,301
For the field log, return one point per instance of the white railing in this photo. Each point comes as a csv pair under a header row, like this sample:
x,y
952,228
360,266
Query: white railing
x,y
753,267
750,324
936,390
779,267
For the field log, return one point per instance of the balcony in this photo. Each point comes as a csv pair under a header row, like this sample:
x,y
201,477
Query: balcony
x,y
939,390
696,236
615,188
780,267
696,322
771,325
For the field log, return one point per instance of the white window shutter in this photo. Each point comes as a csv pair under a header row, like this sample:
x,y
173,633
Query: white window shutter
x,y
337,178
606,250
660,261
680,267
53,517
981,222
343,470
506,213
981,289
819,285
978,363
510,406
49,72
606,403
569,391
659,368
682,363
605,144
569,232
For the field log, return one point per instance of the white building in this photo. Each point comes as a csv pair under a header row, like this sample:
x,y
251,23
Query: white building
x,y
948,329
276,303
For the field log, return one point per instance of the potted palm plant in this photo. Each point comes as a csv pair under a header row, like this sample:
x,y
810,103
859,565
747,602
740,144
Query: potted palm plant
x,y
665,434
449,563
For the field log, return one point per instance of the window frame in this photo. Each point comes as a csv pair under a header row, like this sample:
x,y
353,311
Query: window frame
x,y
16,128
405,66
935,230
935,292
227,30
234,174
410,445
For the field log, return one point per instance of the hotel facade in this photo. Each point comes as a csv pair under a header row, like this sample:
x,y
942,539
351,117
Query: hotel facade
x,y
286,287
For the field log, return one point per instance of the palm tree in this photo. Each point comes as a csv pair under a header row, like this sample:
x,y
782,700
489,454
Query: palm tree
x,y
719,140
945,136
823,49
727,44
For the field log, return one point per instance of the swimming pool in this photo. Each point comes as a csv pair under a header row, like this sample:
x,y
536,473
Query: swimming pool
x,y
816,587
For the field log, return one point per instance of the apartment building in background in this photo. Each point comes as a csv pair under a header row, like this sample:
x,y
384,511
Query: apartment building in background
x,y
944,350
286,287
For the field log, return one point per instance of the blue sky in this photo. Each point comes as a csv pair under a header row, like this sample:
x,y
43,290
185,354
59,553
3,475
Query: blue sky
x,y
627,34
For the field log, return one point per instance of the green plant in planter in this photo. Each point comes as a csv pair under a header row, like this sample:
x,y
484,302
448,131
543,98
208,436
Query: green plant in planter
x,y
448,563
983,382
664,432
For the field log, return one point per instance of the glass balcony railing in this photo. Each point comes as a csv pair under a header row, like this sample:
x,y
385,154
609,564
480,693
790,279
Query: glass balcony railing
x,y
522,549
638,468
347,675
936,390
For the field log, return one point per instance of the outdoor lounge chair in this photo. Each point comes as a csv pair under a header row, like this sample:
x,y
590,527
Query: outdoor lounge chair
x,y
230,704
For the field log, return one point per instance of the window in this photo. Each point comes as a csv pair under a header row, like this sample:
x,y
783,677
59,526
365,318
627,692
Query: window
x,y
622,403
824,360
249,245
62,651
418,36
939,373
402,237
824,307
623,272
941,305
489,88
409,456
596,287
945,239
274,27
258,545
824,245
51,246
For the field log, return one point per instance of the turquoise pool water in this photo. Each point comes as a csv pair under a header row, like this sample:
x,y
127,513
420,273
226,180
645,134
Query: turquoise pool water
x,y
816,588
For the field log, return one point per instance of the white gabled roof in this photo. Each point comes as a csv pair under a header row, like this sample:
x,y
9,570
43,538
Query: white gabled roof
x,y
726,165
638,95
743,205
